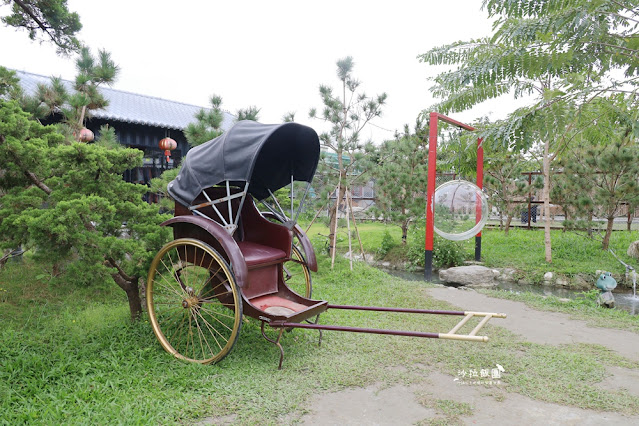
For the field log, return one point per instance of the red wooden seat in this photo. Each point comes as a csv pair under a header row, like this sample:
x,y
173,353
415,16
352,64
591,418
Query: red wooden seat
x,y
257,254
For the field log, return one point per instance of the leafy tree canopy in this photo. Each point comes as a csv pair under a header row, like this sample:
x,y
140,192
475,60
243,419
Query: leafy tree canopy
x,y
561,52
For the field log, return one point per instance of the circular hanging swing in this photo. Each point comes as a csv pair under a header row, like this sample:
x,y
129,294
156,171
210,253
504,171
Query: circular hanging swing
x,y
461,210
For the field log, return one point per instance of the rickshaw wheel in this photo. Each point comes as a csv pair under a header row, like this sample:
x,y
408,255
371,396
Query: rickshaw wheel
x,y
296,275
194,304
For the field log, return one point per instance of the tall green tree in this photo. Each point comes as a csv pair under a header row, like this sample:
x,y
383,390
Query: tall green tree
x,y
348,113
561,53
46,20
401,176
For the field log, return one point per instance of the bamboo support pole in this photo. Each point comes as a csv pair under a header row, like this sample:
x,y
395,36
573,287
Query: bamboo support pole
x,y
334,242
361,247
318,213
348,227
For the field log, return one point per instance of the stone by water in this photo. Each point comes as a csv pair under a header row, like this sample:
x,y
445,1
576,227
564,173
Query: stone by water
x,y
624,300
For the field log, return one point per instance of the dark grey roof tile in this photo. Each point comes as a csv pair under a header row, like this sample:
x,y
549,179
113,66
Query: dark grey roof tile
x,y
132,107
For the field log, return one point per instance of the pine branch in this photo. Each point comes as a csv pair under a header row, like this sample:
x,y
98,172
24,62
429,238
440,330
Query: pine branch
x,y
42,25
121,272
37,182
28,174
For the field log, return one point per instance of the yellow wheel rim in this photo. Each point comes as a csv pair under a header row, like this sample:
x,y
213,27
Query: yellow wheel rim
x,y
193,302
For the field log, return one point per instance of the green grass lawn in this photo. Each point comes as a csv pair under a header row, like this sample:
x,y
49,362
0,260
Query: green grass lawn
x,y
572,253
521,249
70,355
371,234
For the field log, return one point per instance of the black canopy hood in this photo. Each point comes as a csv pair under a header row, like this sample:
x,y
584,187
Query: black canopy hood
x,y
265,155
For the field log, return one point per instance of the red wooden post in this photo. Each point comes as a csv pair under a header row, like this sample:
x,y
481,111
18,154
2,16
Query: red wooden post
x,y
430,192
480,184
434,118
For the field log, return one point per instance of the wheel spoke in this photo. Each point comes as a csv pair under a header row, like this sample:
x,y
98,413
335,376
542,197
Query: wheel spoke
x,y
219,314
200,334
174,269
175,278
212,331
205,295
217,296
170,288
221,322
179,327
186,269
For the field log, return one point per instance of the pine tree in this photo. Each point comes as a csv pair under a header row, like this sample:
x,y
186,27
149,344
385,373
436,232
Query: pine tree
x,y
75,106
347,113
208,124
401,175
69,202
251,113
604,166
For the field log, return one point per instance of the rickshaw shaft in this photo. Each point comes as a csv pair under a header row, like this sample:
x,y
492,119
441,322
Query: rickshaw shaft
x,y
386,309
355,329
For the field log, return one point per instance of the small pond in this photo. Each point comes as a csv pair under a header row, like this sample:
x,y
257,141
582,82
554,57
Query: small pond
x,y
624,299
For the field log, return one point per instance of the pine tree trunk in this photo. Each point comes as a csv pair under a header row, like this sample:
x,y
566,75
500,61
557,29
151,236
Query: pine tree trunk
x,y
135,303
132,290
404,231
509,219
606,240
546,197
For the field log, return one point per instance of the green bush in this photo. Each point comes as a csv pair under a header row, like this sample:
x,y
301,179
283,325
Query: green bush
x,y
446,253
387,244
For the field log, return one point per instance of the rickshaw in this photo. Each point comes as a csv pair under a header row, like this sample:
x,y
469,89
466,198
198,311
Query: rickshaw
x,y
228,260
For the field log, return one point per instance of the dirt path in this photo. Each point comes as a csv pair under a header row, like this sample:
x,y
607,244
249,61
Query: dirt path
x,y
401,405
549,328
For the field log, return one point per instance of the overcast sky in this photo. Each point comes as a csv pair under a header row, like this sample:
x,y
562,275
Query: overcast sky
x,y
271,54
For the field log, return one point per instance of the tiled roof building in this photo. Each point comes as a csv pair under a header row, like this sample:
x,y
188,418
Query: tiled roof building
x,y
139,121
127,107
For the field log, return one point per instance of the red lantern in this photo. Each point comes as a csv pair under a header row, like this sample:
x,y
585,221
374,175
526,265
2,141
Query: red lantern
x,y
167,145
86,135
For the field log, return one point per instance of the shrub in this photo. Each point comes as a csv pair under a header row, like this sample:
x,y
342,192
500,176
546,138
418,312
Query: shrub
x,y
446,253
387,244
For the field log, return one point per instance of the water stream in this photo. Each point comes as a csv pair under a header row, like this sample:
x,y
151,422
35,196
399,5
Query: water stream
x,y
624,299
